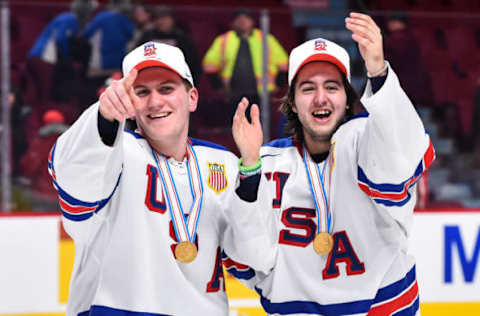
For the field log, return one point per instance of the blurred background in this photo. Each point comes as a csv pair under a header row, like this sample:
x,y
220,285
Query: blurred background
x,y
58,56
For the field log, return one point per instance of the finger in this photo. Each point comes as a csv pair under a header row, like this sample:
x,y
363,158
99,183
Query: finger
x,y
125,101
112,94
242,105
362,31
361,16
361,40
255,114
133,98
130,79
371,26
364,17
109,110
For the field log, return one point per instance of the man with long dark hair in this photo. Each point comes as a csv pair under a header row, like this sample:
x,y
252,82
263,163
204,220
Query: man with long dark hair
x,y
342,187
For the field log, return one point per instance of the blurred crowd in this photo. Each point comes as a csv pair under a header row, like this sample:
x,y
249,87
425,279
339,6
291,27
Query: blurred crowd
x,y
79,52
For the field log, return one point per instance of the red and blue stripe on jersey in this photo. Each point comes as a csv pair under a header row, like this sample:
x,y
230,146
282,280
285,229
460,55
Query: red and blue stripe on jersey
x,y
238,270
72,208
97,310
397,299
395,194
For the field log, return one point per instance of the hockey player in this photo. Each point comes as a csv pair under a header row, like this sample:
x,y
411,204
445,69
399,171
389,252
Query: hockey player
x,y
152,211
342,189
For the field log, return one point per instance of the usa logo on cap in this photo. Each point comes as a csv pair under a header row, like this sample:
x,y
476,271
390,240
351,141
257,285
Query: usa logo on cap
x,y
217,179
320,45
149,49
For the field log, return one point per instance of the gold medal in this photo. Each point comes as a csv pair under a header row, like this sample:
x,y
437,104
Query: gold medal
x,y
186,251
323,243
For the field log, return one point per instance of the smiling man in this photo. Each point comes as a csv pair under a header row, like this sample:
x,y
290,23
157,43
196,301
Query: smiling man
x,y
342,187
152,212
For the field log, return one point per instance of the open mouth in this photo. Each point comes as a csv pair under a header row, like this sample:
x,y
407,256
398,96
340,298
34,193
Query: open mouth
x,y
158,115
322,114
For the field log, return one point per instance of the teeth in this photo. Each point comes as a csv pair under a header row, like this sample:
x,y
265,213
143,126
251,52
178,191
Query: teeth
x,y
322,112
159,115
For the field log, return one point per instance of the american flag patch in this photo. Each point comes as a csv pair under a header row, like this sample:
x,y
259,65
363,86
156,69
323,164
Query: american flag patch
x,y
320,45
217,179
149,49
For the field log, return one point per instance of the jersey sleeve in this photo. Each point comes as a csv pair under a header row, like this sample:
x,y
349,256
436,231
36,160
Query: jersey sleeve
x,y
86,173
394,149
248,241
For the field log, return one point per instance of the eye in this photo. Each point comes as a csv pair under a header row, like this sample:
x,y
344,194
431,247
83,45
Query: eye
x,y
141,92
307,89
332,87
165,89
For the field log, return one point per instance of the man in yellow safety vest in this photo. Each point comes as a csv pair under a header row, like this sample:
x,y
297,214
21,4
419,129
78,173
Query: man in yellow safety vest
x,y
234,61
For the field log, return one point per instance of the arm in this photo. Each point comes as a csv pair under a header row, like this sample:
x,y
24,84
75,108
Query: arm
x,y
250,240
66,30
394,149
85,170
212,60
93,26
279,56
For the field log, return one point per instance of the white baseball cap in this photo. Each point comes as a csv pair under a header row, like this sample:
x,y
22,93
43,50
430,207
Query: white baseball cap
x,y
318,49
152,54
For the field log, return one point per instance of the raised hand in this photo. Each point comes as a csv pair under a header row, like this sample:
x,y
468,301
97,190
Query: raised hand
x,y
369,38
118,100
247,136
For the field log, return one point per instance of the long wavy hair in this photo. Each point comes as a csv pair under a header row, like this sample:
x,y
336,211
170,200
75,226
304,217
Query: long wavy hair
x,y
293,126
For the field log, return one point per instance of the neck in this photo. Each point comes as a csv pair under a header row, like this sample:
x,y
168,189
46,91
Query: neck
x,y
244,34
176,148
316,146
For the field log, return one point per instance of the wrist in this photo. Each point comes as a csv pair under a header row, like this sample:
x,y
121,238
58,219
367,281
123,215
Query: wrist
x,y
251,169
248,161
377,70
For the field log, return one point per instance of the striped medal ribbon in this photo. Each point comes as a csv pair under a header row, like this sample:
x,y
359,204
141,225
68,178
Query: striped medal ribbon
x,y
186,231
323,242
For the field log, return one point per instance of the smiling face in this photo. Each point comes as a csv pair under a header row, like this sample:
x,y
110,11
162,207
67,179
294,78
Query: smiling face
x,y
320,103
164,106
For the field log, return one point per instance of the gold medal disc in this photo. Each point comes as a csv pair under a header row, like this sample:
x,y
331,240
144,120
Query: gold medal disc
x,y
323,243
186,251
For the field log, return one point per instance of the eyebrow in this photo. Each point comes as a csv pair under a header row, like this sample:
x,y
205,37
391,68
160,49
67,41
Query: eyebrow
x,y
326,82
159,84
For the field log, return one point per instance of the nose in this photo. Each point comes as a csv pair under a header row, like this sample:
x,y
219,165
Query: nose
x,y
155,100
321,96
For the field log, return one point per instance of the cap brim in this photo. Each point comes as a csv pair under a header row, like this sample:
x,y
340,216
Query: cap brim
x,y
326,58
154,63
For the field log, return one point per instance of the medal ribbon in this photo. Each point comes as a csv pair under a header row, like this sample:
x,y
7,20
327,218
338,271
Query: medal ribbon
x,y
316,179
185,231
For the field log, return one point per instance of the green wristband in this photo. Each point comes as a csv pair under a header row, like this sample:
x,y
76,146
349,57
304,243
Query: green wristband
x,y
250,169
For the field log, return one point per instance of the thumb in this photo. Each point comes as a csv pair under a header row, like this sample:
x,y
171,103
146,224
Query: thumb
x,y
130,79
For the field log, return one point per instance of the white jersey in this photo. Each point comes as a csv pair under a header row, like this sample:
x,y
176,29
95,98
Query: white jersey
x,y
377,158
115,210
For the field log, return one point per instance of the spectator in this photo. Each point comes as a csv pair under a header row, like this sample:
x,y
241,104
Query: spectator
x,y
54,43
234,61
44,195
109,33
403,52
60,45
142,18
166,31
19,116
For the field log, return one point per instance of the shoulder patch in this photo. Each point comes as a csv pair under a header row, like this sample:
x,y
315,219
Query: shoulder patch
x,y
217,177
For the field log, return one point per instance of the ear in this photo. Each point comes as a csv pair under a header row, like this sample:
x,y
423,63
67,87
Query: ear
x,y
294,108
192,99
